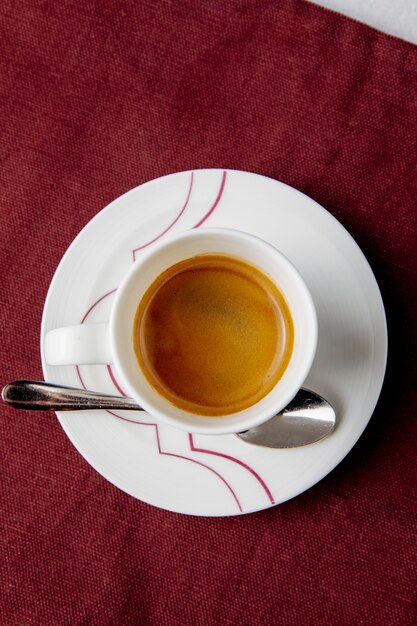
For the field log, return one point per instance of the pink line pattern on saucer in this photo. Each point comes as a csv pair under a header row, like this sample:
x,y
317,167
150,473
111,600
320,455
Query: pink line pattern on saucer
x,y
158,441
93,306
114,381
145,245
235,460
117,385
216,202
180,456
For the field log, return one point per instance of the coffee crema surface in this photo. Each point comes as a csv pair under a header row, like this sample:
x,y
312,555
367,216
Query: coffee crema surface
x,y
213,334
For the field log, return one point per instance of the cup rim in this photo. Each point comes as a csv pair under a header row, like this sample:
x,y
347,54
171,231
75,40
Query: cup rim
x,y
220,424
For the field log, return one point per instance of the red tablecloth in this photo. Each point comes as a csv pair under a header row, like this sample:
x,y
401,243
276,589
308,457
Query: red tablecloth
x,y
97,97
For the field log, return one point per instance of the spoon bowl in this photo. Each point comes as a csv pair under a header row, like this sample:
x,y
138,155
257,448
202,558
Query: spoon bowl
x,y
306,419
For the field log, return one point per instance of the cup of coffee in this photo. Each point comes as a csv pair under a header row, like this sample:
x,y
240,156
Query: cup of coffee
x,y
212,331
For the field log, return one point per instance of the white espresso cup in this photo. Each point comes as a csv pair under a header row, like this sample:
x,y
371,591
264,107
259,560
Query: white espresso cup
x,y
112,342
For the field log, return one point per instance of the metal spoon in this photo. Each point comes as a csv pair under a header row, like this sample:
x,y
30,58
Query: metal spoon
x,y
308,417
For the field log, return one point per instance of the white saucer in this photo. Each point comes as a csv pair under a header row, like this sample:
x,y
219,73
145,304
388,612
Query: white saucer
x,y
221,475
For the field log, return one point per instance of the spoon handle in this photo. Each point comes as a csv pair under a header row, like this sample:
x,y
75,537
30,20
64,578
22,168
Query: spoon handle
x,y
38,396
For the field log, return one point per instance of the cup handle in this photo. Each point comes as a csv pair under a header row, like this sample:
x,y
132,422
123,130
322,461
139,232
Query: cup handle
x,y
78,345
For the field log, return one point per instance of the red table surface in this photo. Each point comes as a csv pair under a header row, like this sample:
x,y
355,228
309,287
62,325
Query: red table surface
x,y
97,97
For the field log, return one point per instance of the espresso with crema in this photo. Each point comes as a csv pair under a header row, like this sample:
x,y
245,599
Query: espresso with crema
x,y
213,335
